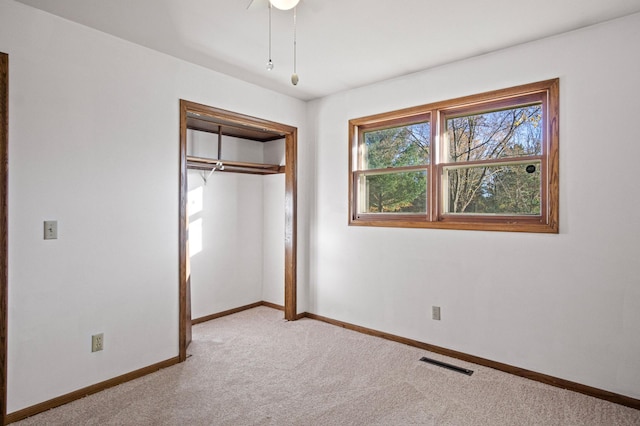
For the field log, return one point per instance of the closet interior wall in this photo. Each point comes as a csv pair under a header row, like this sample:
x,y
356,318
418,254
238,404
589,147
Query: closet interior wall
x,y
236,226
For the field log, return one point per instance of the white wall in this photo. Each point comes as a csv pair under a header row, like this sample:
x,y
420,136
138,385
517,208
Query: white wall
x,y
226,267
93,143
273,238
236,228
274,152
567,305
204,144
273,225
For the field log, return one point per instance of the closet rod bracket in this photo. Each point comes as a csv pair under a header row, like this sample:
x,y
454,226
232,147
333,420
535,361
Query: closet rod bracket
x,y
217,166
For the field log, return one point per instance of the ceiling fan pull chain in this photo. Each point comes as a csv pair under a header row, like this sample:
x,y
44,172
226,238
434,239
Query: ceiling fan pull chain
x,y
294,76
270,62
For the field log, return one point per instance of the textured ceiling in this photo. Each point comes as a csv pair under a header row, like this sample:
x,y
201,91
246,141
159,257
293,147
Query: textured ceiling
x,y
342,44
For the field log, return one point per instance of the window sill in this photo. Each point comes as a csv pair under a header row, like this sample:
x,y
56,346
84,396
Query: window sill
x,y
526,225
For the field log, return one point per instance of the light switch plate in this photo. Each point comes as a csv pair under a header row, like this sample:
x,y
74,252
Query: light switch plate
x,y
50,229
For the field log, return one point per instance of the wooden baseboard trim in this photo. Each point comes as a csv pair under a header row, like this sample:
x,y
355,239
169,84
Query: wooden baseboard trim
x,y
225,313
272,305
81,393
236,310
532,375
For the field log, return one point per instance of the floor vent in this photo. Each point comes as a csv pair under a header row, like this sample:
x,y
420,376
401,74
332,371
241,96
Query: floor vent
x,y
448,366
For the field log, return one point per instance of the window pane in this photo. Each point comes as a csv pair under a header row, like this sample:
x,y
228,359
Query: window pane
x,y
500,134
397,146
506,189
403,192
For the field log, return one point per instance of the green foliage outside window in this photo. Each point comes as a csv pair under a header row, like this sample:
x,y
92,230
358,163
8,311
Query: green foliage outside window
x,y
495,189
400,192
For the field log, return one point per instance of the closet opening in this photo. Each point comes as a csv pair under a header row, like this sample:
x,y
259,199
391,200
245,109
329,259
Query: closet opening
x,y
217,148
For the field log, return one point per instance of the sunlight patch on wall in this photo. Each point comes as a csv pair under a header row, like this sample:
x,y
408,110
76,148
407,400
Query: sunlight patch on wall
x,y
195,237
195,206
194,201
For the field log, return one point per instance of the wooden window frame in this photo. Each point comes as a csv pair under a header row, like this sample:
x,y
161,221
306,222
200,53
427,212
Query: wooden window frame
x,y
4,229
360,170
546,92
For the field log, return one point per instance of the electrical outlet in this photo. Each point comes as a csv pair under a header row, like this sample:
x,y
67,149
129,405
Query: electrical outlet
x,y
435,313
97,342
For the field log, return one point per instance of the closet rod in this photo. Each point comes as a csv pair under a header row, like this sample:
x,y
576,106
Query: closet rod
x,y
201,163
238,169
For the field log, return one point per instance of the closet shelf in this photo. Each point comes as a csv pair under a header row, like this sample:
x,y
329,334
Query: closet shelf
x,y
201,163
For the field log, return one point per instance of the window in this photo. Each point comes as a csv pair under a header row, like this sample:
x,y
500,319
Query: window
x,y
483,162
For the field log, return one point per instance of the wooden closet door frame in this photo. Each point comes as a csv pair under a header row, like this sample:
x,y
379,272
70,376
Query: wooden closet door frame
x,y
4,227
291,188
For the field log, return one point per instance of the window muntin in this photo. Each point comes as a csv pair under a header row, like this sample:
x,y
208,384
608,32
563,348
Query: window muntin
x,y
488,162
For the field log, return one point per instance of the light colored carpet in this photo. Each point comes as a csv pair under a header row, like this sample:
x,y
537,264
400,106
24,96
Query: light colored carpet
x,y
254,368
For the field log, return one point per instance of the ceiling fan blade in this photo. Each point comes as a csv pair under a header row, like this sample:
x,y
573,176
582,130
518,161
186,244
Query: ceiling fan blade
x,y
257,4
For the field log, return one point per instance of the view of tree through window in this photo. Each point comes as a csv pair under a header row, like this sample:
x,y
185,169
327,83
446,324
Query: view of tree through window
x,y
398,146
403,192
509,189
405,147
504,188
487,162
